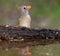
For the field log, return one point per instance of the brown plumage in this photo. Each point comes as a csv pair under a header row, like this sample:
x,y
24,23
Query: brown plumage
x,y
25,19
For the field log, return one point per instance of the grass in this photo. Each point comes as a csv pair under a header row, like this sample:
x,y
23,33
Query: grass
x,y
48,50
8,53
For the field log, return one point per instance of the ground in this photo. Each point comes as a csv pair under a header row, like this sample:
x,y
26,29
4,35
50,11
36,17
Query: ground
x,y
48,50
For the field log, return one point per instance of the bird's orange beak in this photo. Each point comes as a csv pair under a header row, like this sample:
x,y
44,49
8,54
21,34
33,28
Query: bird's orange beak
x,y
28,7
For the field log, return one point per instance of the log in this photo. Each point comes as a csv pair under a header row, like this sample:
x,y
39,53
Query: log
x,y
28,36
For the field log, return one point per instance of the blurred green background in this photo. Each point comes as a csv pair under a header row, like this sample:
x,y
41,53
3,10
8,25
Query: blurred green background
x,y
44,14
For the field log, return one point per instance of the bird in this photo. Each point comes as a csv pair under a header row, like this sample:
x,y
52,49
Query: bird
x,y
25,18
25,21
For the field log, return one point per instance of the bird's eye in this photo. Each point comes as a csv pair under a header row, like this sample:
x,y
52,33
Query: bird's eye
x,y
24,8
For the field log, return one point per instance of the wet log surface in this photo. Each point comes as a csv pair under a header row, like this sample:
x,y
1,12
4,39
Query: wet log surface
x,y
17,36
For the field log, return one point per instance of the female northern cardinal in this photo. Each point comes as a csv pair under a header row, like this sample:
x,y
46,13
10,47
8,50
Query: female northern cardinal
x,y
25,19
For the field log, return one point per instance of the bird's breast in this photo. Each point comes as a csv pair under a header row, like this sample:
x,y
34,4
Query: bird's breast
x,y
25,21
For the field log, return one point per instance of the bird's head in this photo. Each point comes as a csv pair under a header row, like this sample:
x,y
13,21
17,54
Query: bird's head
x,y
24,9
